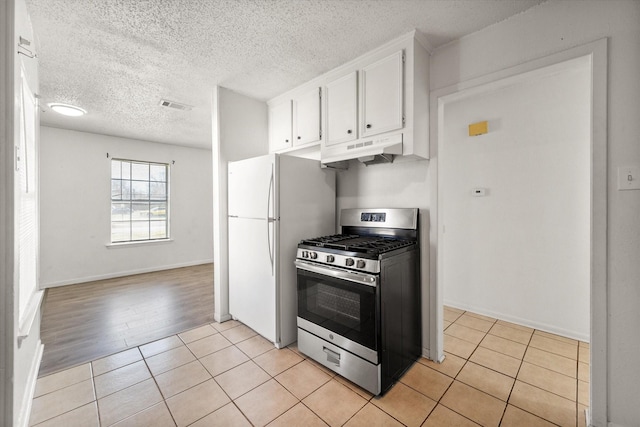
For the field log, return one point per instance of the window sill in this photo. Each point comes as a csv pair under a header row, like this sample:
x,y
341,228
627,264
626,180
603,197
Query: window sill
x,y
140,243
27,318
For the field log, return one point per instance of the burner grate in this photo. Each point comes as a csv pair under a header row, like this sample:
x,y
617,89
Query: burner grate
x,y
362,244
324,240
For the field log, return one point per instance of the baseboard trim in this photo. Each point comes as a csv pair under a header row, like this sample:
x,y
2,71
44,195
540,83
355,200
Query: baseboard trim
x,y
426,353
221,318
27,398
79,280
587,417
520,321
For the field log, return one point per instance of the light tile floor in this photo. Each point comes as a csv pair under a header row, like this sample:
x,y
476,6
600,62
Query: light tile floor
x,y
495,374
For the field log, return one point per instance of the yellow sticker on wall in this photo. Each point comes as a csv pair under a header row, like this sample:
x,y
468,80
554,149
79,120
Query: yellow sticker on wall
x,y
479,128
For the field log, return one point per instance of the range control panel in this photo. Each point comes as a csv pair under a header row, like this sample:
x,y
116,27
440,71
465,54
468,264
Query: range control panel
x,y
343,261
373,217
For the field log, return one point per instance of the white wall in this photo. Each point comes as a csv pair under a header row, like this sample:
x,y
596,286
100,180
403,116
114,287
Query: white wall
x,y
75,208
520,253
551,27
240,131
402,184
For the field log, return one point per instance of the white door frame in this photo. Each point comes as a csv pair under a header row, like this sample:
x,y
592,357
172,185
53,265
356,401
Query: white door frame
x,y
7,321
597,52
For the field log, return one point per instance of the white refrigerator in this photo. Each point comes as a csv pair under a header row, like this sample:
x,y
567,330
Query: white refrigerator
x,y
274,201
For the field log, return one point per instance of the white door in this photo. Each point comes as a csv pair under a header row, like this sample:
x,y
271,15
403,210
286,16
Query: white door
x,y
342,100
252,283
251,185
382,95
306,113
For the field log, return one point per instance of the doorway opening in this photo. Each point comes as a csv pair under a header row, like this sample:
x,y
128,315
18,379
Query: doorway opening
x,y
522,208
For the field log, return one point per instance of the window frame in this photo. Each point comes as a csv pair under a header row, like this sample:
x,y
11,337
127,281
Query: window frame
x,y
147,199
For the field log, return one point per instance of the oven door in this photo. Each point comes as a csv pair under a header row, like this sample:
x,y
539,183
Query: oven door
x,y
340,306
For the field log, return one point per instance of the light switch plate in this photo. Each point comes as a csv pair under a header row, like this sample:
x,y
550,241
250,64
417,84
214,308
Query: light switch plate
x,y
629,178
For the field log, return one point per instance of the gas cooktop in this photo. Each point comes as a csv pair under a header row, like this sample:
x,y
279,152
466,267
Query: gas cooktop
x,y
358,244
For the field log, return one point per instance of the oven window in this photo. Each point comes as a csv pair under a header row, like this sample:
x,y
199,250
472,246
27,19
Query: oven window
x,y
340,305
346,308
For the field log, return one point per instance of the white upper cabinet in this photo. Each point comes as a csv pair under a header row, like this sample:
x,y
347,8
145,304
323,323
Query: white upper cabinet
x,y
306,117
341,98
280,126
373,107
295,121
382,96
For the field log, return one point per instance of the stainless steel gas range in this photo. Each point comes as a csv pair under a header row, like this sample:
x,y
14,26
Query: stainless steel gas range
x,y
359,297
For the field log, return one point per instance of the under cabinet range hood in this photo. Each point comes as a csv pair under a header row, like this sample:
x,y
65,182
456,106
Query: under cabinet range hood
x,y
377,150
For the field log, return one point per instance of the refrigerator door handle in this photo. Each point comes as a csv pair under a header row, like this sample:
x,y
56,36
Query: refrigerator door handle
x,y
270,220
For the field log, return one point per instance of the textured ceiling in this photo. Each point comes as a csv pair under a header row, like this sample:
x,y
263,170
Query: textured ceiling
x,y
118,58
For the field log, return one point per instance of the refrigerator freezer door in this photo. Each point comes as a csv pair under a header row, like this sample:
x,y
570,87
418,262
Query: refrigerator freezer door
x,y
252,278
251,187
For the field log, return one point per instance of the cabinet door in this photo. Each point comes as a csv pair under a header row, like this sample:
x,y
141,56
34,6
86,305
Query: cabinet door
x,y
280,126
382,96
306,113
341,96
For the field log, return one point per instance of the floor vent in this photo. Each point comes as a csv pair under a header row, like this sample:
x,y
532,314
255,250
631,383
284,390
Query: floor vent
x,y
175,105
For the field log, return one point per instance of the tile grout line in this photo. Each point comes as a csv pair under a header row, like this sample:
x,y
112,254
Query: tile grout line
x,y
528,345
95,393
454,379
303,358
445,392
62,388
515,379
198,360
153,376
548,391
212,378
300,401
354,414
466,360
164,400
221,388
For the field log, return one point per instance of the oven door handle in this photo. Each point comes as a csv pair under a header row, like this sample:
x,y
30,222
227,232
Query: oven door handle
x,y
351,276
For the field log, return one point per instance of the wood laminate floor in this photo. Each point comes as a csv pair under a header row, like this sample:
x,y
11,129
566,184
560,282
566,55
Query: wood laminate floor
x,y
84,322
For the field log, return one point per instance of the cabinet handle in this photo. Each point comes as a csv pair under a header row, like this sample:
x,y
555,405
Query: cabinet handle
x,y
349,131
286,140
369,126
299,137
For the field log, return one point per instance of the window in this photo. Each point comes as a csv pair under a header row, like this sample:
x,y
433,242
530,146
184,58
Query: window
x,y
139,201
29,297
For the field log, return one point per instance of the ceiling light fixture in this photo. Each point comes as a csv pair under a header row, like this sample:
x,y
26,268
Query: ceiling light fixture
x,y
68,110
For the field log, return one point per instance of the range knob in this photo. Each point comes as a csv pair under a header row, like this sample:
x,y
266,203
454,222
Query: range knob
x,y
313,255
330,258
305,254
349,262
360,264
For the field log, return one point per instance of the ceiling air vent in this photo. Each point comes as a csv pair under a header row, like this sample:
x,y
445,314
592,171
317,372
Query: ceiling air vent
x,y
175,105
